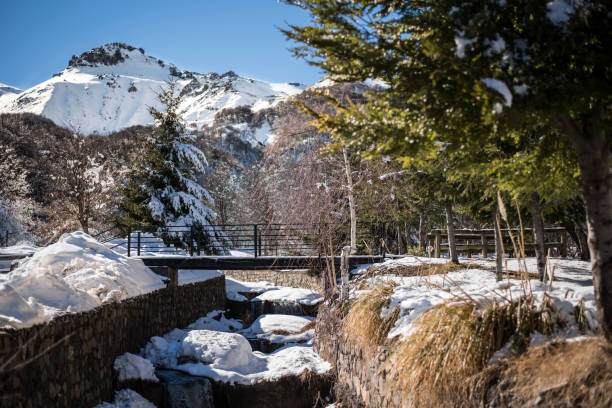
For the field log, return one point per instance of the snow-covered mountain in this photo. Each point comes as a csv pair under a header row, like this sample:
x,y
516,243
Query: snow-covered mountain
x,y
111,87
8,90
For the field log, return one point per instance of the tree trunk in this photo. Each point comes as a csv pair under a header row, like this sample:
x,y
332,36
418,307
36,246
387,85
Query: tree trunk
x,y
421,240
584,245
579,238
593,151
351,200
499,254
538,234
452,249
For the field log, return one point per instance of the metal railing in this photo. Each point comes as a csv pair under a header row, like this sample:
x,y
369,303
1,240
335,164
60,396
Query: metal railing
x,y
251,239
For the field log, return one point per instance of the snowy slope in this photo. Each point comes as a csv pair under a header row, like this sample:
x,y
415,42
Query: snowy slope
x,y
110,88
8,90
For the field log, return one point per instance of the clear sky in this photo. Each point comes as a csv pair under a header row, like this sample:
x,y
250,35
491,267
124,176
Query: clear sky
x,y
39,37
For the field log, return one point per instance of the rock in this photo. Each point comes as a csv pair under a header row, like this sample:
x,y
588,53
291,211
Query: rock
x,y
304,391
184,391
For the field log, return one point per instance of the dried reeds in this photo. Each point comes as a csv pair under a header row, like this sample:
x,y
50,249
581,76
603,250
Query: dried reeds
x,y
364,323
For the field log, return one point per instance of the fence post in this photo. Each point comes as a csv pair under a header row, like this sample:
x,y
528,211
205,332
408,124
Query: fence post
x,y
191,241
483,241
437,244
344,272
255,240
172,277
138,248
129,242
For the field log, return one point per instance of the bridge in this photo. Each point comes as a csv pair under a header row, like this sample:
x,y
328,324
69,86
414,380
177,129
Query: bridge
x,y
237,247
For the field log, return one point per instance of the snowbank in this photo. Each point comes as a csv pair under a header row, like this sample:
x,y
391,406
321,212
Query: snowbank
x,y
278,328
127,399
75,274
132,367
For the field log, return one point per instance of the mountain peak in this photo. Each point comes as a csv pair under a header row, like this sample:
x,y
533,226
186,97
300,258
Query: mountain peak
x,y
7,89
108,54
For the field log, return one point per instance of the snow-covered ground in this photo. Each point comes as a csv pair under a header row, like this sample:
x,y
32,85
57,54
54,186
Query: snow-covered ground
x,y
234,288
302,296
269,292
23,248
75,274
572,286
152,245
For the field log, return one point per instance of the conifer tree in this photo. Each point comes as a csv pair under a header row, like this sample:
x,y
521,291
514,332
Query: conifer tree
x,y
459,72
162,189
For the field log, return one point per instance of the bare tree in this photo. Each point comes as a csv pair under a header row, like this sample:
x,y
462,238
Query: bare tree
x,y
82,184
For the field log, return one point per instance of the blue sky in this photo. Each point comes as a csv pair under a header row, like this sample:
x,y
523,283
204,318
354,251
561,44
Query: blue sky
x,y
39,37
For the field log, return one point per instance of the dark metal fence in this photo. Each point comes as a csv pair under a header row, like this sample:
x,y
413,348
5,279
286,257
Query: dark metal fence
x,y
248,239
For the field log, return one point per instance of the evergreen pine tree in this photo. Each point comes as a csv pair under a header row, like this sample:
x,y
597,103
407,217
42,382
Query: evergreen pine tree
x,y
162,190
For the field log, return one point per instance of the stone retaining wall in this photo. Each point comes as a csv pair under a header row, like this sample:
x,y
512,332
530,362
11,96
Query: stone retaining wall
x,y
78,372
361,380
294,279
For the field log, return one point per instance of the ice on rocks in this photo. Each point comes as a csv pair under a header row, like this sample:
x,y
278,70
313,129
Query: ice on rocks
x,y
228,357
271,326
132,367
127,399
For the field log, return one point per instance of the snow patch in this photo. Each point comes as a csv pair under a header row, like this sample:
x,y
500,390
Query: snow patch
x,y
285,294
500,87
560,11
132,367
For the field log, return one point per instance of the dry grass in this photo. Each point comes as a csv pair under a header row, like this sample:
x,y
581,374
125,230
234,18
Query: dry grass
x,y
310,325
559,374
416,270
363,321
452,343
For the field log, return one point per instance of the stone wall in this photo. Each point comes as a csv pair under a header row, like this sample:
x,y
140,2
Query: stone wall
x,y
361,379
78,371
293,279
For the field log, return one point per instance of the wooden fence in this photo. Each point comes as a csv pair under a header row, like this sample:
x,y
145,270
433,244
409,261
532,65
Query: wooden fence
x,y
471,242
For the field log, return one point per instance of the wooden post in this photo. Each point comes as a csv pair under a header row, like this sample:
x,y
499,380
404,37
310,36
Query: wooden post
x,y
138,248
344,272
129,242
437,244
563,248
172,277
483,243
